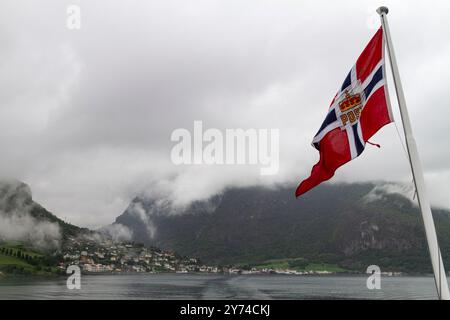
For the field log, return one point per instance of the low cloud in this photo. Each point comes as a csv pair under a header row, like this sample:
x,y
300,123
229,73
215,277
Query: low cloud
x,y
17,222
137,210
381,191
24,228
115,232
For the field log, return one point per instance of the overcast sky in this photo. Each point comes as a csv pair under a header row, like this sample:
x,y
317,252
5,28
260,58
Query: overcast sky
x,y
86,115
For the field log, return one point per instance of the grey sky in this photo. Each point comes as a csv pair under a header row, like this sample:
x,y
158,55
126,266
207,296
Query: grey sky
x,y
86,115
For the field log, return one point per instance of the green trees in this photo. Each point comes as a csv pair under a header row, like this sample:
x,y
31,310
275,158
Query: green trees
x,y
6,251
299,263
18,253
10,252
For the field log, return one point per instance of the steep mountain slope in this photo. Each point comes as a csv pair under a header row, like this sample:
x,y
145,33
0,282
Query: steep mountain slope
x,y
351,225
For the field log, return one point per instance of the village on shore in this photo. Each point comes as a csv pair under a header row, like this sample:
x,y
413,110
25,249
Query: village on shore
x,y
94,257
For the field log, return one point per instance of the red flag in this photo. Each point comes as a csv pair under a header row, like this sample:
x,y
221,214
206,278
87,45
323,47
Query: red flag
x,y
358,111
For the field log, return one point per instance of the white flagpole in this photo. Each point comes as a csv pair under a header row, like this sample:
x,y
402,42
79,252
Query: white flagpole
x,y
422,195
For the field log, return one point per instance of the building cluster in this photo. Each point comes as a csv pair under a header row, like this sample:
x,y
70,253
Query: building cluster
x,y
108,257
105,256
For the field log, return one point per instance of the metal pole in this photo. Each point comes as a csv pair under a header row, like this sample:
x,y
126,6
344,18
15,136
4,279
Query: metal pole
x,y
416,168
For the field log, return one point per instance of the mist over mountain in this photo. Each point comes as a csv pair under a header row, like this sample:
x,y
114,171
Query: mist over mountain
x,y
348,225
351,225
22,219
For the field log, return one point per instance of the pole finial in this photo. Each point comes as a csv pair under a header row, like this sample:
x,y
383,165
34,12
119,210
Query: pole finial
x,y
382,10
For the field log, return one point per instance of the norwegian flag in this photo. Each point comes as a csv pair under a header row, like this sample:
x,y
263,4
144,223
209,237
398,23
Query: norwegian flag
x,y
359,109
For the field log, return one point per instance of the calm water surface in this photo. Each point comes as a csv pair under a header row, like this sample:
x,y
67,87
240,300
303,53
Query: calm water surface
x,y
191,286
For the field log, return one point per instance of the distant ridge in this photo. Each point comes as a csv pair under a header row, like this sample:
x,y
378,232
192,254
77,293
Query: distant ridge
x,y
349,225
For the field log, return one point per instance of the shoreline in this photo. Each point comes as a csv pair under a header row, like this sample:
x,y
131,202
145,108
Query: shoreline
x,y
338,274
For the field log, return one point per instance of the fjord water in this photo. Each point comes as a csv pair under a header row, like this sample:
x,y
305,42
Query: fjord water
x,y
193,286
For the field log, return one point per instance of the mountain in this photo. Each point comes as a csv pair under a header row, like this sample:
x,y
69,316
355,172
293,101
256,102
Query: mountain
x,y
24,220
348,225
